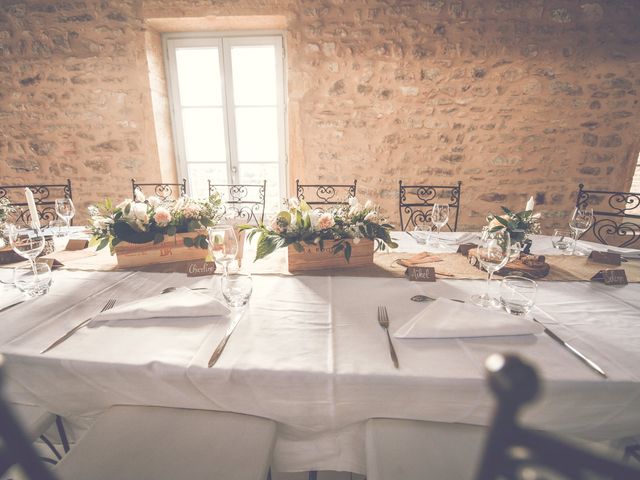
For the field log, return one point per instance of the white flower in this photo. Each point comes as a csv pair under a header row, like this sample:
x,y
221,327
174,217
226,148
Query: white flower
x,y
368,204
353,201
162,216
123,204
294,202
530,204
369,217
154,201
139,196
93,210
179,204
139,212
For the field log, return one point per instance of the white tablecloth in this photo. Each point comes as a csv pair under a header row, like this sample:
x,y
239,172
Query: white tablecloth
x,y
309,354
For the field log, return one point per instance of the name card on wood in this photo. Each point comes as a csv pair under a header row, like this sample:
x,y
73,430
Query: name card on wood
x,y
51,262
421,274
605,257
611,277
200,269
464,248
77,244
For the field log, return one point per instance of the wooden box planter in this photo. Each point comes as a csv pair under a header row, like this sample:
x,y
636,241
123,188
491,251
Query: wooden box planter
x,y
172,249
315,259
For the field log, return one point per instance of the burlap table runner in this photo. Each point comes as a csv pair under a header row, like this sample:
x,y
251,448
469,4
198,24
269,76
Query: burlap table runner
x,y
452,266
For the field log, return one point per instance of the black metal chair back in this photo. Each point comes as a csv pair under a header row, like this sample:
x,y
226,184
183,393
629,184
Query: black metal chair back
x,y
616,216
44,196
15,444
416,203
244,202
512,451
320,196
161,190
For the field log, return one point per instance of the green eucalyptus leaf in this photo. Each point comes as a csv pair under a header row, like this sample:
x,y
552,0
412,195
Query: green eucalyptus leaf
x,y
188,242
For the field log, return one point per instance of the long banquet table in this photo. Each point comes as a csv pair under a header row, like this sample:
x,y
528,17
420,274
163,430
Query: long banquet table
x,y
309,354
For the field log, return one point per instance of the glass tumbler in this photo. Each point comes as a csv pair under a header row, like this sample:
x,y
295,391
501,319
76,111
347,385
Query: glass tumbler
x,y
518,294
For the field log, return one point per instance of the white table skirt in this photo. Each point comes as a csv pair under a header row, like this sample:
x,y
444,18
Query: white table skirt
x,y
310,355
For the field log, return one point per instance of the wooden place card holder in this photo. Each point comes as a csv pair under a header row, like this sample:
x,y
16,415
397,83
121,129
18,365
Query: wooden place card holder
x,y
77,244
611,277
464,248
421,274
605,257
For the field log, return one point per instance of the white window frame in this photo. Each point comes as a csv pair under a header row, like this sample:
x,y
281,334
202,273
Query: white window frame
x,y
224,41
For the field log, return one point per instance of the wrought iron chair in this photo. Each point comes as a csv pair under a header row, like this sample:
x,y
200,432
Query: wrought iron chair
x,y
416,202
244,202
162,190
44,196
613,220
514,452
326,195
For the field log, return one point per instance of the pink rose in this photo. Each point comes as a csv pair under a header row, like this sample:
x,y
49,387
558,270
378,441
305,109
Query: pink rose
x,y
325,221
162,216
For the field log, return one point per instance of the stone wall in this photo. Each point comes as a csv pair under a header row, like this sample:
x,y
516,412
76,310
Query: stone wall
x,y
513,97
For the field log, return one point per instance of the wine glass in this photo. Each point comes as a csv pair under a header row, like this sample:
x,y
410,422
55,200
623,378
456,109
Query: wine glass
x,y
493,254
65,210
223,245
439,217
580,222
28,242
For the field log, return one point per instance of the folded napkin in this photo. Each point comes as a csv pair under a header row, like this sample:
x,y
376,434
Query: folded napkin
x,y
445,318
458,237
180,303
9,296
419,259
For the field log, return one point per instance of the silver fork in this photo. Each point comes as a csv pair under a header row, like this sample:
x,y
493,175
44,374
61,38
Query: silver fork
x,y
383,320
108,306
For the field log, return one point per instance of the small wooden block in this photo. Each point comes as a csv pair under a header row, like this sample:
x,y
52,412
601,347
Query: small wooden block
x,y
421,274
77,244
52,262
200,269
605,257
464,248
611,277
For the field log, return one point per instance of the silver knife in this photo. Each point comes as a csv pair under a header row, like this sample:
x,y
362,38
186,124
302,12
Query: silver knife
x,y
590,363
223,343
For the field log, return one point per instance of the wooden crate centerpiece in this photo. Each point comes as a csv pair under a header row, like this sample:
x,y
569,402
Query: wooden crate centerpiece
x,y
171,249
314,258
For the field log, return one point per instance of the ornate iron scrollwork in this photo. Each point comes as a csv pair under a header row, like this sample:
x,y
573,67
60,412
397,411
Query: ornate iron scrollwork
x,y
616,220
245,202
43,195
416,202
161,190
326,195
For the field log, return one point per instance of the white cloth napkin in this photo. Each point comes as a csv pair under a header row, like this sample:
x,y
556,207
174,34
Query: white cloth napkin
x,y
10,296
445,318
180,303
458,237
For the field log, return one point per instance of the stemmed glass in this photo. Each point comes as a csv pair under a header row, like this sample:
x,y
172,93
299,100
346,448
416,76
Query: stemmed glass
x,y
439,217
223,245
28,242
493,254
580,222
65,210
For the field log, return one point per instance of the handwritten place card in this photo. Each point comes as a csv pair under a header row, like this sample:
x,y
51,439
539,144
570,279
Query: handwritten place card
x,y
464,248
77,244
421,274
611,277
605,257
200,268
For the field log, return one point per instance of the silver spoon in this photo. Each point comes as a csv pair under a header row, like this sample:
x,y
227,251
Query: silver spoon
x,y
425,298
172,289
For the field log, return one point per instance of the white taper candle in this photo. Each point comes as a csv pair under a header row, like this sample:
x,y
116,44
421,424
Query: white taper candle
x,y
35,219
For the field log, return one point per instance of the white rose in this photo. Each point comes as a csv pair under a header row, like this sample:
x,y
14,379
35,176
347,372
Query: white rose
x,y
154,201
139,196
139,212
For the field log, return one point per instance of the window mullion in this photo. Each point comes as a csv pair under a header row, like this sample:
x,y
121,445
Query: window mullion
x,y
229,112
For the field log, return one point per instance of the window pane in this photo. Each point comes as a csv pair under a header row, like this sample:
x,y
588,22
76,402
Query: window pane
x,y
199,173
204,135
198,76
257,134
254,75
256,173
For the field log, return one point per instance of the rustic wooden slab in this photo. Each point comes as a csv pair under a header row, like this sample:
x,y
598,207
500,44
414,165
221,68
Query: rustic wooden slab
x,y
313,258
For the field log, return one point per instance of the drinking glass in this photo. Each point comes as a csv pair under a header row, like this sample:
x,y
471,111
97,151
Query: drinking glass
x,y
65,210
421,233
493,254
517,294
33,281
236,289
223,245
439,217
562,239
580,222
28,242
58,230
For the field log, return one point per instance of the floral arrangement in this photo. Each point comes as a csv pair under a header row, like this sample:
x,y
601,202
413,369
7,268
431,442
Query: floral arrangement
x,y
5,209
299,225
145,220
519,224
